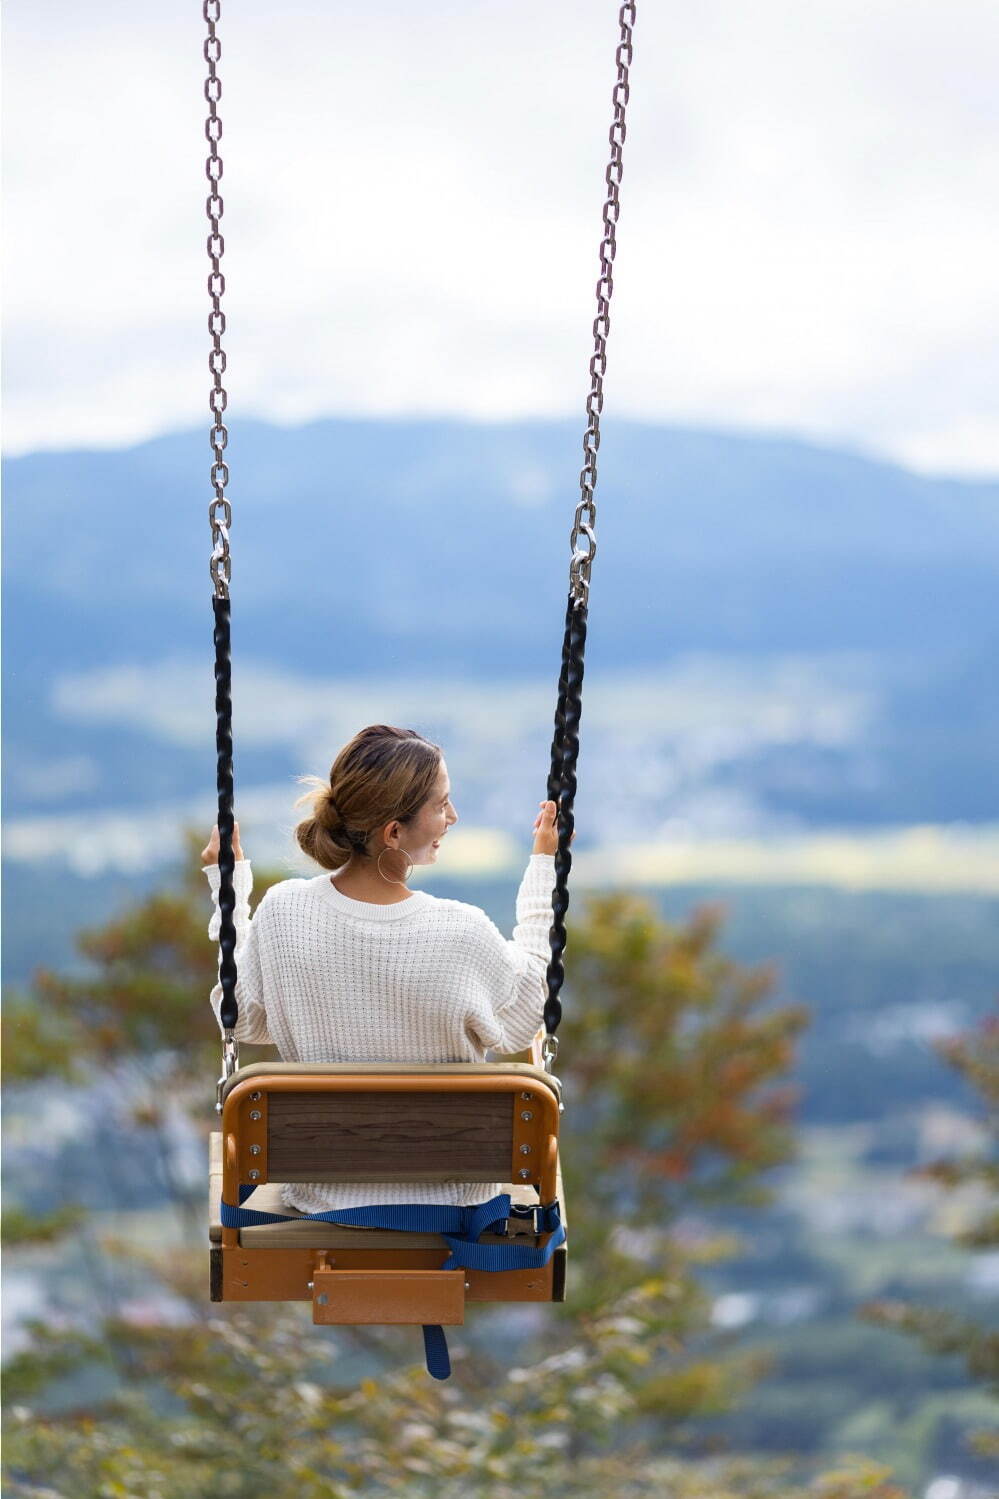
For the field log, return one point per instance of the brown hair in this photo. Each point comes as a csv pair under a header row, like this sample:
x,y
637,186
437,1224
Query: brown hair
x,y
384,774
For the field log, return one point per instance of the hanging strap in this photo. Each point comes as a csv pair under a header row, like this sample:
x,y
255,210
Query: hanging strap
x,y
460,1226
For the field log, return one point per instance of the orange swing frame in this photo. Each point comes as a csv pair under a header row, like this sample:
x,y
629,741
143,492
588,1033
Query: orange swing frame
x,y
343,1122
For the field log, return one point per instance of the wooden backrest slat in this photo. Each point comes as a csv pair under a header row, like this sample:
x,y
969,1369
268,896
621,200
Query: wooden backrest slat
x,y
337,1137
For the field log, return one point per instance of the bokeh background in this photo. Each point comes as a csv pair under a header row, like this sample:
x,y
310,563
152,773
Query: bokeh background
x,y
790,703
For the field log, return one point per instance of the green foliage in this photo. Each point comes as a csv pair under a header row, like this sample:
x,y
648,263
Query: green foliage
x,y
944,1333
20,1227
55,1352
141,1007
150,971
675,1066
37,1043
263,1414
976,1056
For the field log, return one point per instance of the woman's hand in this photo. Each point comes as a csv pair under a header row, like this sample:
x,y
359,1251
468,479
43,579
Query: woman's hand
x,y
546,829
210,852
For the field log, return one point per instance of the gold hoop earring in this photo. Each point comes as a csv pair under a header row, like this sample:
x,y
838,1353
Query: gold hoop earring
x,y
384,876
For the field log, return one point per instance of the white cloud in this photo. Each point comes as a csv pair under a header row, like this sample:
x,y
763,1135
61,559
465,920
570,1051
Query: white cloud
x,y
711,708
63,776
808,235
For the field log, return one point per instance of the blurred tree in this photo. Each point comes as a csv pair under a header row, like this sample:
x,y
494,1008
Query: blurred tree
x,y
254,1413
674,1067
976,1056
138,1017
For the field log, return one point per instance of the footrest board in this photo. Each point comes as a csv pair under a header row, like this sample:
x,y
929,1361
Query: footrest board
x,y
386,1298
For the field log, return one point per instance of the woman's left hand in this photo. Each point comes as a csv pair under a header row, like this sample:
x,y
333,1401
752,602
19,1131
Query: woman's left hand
x,y
210,852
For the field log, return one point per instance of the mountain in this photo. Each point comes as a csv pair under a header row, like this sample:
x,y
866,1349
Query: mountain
x,y
445,544
437,552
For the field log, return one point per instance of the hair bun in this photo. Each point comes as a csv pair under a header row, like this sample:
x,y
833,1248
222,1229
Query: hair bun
x,y
336,825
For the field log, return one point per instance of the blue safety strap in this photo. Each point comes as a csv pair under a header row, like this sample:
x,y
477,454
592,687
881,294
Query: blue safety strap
x,y
435,1348
460,1226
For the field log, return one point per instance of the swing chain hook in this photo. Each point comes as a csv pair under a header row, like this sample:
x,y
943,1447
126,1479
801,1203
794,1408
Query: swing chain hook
x,y
549,1051
230,1061
582,562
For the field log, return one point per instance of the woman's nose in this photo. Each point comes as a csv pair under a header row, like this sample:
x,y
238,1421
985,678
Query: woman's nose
x,y
452,816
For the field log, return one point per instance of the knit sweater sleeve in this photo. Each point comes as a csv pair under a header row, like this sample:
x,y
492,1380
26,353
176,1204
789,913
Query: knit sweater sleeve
x,y
517,968
252,1022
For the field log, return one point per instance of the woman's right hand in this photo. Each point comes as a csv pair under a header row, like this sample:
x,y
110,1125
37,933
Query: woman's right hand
x,y
546,829
210,852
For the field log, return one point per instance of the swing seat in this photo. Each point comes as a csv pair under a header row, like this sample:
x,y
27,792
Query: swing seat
x,y
302,1232
375,1121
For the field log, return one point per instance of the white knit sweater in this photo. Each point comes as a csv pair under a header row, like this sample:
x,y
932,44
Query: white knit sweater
x,y
325,978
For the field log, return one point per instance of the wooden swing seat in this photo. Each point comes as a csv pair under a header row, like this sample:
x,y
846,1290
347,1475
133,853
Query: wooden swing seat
x,y
375,1121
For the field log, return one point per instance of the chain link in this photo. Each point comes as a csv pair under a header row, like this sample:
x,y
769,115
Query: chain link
x,y
220,566
586,511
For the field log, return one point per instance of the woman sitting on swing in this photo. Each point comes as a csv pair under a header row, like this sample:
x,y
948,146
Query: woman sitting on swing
x,y
352,966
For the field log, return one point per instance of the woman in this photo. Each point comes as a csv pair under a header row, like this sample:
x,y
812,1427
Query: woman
x,y
353,966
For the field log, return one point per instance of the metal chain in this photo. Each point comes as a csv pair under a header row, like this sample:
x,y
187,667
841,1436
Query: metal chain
x,y
219,511
586,511
220,516
565,743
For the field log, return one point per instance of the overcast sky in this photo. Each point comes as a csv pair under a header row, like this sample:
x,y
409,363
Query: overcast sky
x,y
809,239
